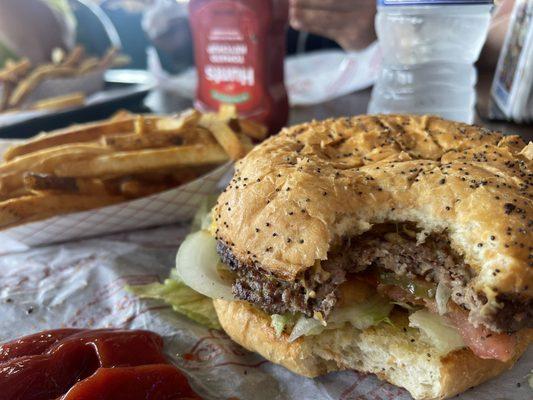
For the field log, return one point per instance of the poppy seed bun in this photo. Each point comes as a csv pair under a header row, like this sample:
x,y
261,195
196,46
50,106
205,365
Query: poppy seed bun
x,y
301,191
385,350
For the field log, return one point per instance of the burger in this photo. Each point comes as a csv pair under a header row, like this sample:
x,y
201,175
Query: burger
x,y
394,245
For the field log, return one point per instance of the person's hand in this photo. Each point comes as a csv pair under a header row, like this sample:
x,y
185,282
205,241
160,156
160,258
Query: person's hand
x,y
348,22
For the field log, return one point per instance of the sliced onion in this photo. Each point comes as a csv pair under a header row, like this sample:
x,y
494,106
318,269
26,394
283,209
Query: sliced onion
x,y
442,296
436,332
304,327
196,265
363,315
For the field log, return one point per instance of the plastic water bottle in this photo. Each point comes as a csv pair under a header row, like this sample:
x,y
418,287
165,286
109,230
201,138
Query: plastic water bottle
x,y
429,49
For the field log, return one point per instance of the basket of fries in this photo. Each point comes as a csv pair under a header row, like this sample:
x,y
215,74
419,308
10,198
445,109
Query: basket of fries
x,y
64,82
124,173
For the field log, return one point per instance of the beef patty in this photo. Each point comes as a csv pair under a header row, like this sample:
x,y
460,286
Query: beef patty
x,y
383,248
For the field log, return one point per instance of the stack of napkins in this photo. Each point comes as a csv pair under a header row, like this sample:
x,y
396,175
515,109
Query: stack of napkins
x,y
512,88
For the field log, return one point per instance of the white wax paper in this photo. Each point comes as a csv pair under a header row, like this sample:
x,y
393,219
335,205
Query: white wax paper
x,y
81,284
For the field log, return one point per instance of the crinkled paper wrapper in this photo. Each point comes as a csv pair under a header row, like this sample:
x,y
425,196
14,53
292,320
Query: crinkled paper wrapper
x,y
171,206
81,284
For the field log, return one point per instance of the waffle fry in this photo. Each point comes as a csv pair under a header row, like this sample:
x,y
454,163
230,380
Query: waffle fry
x,y
39,160
101,163
14,70
74,134
27,85
34,182
226,137
109,57
32,207
89,65
252,129
74,57
133,162
18,80
65,101
5,91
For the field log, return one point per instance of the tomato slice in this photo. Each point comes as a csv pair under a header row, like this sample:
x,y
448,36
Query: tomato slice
x,y
482,341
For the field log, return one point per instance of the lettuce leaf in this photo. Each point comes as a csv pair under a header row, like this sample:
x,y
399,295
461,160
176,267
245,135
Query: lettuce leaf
x,y
182,298
173,291
280,322
363,315
371,312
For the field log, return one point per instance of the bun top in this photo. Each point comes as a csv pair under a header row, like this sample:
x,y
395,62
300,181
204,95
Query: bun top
x,y
299,192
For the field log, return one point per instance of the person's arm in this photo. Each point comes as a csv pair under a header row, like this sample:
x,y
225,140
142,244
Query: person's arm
x,y
348,22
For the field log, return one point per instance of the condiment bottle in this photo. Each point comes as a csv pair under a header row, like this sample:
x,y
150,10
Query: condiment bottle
x,y
239,49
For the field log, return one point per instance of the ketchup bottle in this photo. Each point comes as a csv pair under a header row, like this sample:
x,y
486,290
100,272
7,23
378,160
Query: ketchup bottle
x,y
239,49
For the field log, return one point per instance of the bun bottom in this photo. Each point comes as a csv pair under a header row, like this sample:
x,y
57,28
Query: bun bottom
x,y
394,352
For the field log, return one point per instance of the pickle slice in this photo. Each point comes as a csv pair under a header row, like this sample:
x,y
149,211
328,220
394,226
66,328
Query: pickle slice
x,y
416,287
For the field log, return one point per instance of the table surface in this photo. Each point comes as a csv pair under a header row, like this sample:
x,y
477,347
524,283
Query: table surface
x,y
352,104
